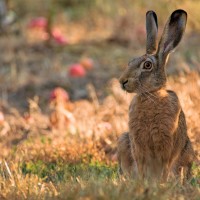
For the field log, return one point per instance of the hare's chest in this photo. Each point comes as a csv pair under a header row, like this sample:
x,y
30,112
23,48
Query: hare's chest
x,y
144,123
141,120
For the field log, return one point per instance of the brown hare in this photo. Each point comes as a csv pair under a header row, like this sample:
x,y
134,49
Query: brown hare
x,y
157,142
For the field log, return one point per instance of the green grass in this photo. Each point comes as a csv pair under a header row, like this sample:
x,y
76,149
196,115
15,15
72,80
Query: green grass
x,y
61,172
40,180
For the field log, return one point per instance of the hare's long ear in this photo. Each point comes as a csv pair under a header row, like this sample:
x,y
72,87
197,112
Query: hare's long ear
x,y
152,30
172,34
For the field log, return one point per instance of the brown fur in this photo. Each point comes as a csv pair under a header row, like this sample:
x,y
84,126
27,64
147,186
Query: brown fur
x,y
157,142
125,159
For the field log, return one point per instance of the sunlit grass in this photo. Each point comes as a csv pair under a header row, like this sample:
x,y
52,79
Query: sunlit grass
x,y
55,164
94,181
39,160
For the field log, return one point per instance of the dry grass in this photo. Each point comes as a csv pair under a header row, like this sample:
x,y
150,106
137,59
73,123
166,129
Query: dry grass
x,y
67,149
79,161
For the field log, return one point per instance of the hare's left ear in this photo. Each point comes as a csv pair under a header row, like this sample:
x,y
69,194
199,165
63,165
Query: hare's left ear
x,y
172,34
152,30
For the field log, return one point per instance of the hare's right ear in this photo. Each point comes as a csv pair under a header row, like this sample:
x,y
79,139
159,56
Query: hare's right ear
x,y
152,30
172,34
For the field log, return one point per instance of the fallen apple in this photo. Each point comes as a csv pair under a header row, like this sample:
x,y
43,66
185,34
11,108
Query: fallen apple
x,y
87,63
59,93
59,38
2,119
77,70
39,22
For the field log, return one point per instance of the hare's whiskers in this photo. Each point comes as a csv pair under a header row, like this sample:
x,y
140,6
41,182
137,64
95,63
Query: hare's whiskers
x,y
145,93
149,92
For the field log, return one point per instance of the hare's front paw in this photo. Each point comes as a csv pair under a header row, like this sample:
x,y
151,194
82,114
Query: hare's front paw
x,y
125,159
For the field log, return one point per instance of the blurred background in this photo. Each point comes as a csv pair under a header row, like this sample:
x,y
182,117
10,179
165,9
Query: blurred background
x,y
62,109
40,40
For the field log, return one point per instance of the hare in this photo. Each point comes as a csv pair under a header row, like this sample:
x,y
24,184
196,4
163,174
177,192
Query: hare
x,y
125,159
157,142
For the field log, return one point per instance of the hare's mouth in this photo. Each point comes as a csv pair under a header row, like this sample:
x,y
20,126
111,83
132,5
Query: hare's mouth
x,y
129,90
129,87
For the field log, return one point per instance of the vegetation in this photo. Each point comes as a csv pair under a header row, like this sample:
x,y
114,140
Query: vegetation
x,y
58,130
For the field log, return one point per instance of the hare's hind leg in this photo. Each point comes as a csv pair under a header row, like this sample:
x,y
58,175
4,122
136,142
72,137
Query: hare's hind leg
x,y
183,173
183,166
187,173
125,159
188,157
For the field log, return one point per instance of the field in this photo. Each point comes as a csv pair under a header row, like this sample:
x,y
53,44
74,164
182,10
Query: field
x,y
58,133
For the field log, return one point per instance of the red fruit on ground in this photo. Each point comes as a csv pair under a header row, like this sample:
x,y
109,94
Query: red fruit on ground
x,y
39,22
2,119
87,63
59,37
61,40
77,70
59,93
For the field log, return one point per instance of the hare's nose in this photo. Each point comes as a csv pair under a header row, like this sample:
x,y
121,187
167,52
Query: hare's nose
x,y
124,84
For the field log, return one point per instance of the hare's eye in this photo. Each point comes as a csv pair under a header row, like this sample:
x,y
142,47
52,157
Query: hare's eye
x,y
147,65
